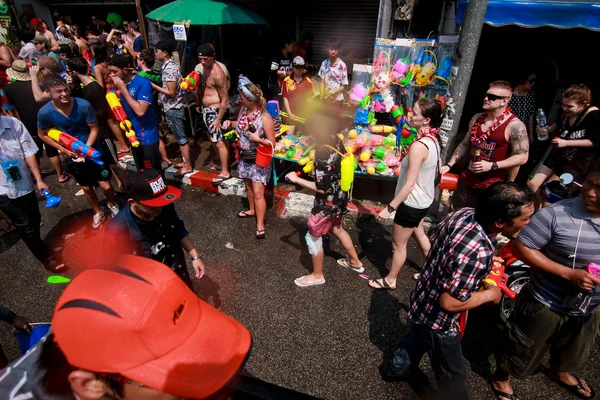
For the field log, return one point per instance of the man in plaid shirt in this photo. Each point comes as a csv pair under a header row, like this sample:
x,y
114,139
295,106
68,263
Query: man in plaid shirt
x,y
459,260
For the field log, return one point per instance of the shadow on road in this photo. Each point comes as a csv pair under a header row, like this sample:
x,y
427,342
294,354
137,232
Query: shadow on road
x,y
375,242
299,225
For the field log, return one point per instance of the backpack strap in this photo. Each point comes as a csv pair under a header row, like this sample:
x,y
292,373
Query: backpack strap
x,y
334,149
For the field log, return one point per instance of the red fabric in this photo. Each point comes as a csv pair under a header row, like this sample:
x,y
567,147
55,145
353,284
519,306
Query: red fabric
x,y
319,225
496,148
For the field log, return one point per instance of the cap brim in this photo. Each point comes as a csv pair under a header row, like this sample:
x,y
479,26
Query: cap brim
x,y
204,363
164,199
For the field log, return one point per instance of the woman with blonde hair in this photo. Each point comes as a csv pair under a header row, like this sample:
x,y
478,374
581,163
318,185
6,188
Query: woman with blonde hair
x,y
577,140
255,127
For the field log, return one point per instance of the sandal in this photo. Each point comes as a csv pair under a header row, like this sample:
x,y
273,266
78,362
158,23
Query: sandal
x,y
380,283
56,267
500,395
574,388
344,263
260,234
220,178
245,214
303,281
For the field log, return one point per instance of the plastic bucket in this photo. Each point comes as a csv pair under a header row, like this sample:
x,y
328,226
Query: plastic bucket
x,y
27,341
264,154
449,182
553,191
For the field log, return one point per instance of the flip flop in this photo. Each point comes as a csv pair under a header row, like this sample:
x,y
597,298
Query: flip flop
x,y
380,283
574,388
304,282
344,263
245,214
55,267
500,395
219,178
260,234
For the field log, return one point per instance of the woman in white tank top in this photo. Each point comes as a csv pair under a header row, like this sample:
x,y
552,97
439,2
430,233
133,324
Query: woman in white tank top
x,y
415,190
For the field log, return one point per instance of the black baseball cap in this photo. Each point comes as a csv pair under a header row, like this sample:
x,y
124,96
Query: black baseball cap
x,y
148,187
64,49
206,50
165,45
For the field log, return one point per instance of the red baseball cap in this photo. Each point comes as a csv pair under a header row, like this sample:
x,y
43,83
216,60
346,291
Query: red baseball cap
x,y
135,317
148,187
35,21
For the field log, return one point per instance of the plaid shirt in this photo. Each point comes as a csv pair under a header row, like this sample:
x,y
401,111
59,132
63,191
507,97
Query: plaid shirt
x,y
459,260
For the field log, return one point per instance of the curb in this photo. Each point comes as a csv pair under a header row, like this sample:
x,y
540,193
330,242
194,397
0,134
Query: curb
x,y
289,204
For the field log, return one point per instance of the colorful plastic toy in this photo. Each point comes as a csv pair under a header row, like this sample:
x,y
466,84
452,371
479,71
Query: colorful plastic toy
x,y
121,116
190,82
75,145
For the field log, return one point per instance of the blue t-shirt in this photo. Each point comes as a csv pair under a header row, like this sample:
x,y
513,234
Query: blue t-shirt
x,y
138,44
146,128
75,125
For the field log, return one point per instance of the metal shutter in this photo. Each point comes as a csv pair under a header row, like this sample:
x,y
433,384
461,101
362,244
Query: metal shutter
x,y
354,22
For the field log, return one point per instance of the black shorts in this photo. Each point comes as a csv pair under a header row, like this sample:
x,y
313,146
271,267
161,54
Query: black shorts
x,y
50,151
147,156
109,152
89,173
409,217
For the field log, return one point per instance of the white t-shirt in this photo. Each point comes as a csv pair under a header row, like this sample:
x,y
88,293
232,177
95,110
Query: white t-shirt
x,y
16,144
422,195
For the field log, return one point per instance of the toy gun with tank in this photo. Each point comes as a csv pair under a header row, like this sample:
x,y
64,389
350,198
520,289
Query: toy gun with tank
x,y
51,201
297,119
75,145
190,82
121,116
498,278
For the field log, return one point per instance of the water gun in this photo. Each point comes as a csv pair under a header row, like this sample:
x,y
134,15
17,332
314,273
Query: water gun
x,y
32,62
231,135
121,116
190,82
594,269
51,201
382,129
445,69
360,96
400,71
297,119
75,145
424,68
498,278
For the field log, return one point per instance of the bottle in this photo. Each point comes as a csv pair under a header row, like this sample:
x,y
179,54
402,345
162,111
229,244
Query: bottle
x,y
541,122
476,158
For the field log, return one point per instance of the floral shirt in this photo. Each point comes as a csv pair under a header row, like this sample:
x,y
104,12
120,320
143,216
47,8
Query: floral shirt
x,y
327,173
171,73
335,76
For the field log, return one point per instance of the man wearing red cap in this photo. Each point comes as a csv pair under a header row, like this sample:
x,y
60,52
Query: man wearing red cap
x,y
130,329
152,227
41,30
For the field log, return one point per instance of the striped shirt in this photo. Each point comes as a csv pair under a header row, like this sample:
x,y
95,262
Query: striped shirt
x,y
554,231
459,260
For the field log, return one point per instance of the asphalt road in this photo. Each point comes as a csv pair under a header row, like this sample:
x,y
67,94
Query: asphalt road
x,y
325,341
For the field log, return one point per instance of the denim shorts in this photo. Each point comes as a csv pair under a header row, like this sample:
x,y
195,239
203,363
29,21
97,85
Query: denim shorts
x,y
175,118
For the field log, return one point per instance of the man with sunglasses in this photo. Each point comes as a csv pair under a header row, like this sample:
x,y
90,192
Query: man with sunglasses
x,y
496,145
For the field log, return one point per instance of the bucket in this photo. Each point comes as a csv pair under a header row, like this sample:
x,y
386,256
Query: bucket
x,y
264,155
449,182
27,341
553,191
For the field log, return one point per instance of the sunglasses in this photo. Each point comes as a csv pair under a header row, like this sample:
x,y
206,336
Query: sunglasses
x,y
494,97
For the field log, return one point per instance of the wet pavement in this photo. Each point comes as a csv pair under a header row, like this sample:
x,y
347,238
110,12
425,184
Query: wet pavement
x,y
324,341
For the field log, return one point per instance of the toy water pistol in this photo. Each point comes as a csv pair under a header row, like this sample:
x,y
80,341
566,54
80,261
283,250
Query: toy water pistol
x,y
232,135
121,116
190,82
594,269
382,129
32,62
75,145
51,201
498,278
297,119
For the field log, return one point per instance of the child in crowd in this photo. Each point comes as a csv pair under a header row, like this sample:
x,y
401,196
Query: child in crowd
x,y
297,89
334,75
330,201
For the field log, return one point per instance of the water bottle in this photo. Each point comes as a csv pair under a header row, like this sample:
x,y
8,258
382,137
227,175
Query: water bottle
x,y
541,122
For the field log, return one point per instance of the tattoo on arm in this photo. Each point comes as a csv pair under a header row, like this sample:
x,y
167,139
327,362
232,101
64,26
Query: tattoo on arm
x,y
519,140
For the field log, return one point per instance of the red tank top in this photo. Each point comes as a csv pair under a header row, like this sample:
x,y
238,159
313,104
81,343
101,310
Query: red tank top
x,y
494,149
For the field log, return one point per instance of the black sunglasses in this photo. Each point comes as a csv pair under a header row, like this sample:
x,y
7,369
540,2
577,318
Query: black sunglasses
x,y
494,97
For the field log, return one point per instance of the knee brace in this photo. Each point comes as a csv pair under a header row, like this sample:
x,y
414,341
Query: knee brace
x,y
315,245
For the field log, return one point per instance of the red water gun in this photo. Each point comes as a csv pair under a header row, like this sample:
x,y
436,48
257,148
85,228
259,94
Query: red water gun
x,y
498,278
75,145
121,116
190,82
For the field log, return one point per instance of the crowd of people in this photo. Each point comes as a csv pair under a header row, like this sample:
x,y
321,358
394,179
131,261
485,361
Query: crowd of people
x,y
59,82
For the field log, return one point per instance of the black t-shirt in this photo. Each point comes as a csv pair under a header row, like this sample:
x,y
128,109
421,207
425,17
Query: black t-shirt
x,y
282,63
96,96
162,239
20,95
578,158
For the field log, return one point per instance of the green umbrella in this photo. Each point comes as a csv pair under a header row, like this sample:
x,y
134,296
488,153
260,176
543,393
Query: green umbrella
x,y
206,12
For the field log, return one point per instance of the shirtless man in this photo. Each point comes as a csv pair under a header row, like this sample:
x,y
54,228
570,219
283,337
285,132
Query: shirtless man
x,y
42,31
496,146
215,100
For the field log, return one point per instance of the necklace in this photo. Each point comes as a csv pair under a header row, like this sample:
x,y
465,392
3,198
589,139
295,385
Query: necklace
x,y
481,139
246,120
426,132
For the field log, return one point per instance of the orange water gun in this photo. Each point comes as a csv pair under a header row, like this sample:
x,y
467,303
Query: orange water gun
x,y
121,116
498,278
75,145
190,82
